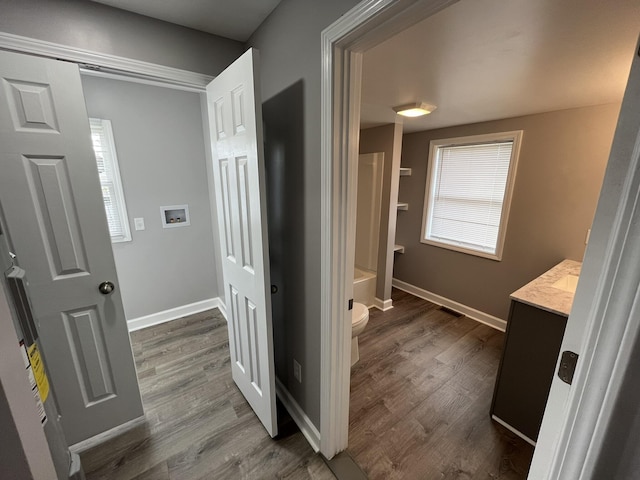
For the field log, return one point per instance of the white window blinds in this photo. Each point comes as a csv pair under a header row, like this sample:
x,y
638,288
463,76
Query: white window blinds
x,y
114,204
468,186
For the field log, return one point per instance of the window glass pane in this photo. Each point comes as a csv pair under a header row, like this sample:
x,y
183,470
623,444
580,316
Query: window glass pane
x,y
106,160
467,186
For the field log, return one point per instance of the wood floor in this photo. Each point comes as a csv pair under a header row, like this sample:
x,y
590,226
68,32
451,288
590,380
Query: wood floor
x,y
198,424
420,398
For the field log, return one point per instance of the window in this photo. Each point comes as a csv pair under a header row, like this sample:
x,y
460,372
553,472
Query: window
x,y
115,208
468,192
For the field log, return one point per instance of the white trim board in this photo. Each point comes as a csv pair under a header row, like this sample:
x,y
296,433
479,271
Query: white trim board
x,y
514,430
382,305
103,62
96,440
175,313
303,422
343,43
472,313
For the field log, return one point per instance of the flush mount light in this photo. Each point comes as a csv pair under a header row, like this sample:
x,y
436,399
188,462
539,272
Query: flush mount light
x,y
415,109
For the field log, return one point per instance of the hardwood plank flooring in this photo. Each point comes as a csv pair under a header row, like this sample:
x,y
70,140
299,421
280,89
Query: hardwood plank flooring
x,y
420,398
198,424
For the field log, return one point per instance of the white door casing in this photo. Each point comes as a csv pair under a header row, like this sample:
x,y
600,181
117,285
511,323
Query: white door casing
x,y
571,437
235,119
52,201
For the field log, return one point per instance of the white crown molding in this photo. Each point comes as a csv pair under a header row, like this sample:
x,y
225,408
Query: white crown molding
x,y
104,62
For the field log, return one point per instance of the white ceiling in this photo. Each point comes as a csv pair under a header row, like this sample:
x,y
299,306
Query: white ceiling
x,y
235,19
483,60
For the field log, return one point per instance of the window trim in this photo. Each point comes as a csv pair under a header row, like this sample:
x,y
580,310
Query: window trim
x,y
117,183
434,145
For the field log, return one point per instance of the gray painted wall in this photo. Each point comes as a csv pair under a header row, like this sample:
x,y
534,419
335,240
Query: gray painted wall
x,y
289,44
100,28
560,172
13,462
161,152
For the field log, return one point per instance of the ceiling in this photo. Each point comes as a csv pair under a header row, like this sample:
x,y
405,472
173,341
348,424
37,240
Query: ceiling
x,y
235,19
483,60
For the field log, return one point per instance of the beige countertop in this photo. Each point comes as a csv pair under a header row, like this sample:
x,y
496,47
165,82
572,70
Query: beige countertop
x,y
542,294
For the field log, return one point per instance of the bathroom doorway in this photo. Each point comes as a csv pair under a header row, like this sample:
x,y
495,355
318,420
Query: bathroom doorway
x,y
342,96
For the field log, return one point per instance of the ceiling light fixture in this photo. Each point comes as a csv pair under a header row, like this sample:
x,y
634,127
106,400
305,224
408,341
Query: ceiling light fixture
x,y
415,109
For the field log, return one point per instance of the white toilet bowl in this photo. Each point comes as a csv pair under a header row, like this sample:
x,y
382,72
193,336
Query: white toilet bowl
x,y
359,320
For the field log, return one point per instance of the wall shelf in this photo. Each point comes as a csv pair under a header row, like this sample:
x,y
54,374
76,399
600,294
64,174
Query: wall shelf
x,y
398,248
405,172
403,206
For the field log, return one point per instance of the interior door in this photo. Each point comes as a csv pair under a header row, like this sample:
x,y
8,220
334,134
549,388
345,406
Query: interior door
x,y
51,197
235,119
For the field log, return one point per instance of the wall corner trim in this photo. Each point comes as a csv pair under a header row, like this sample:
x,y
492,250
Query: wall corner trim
x,y
383,305
472,313
174,313
122,65
304,423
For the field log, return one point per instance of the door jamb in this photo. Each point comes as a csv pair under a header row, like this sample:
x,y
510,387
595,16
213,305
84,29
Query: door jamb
x,y
343,44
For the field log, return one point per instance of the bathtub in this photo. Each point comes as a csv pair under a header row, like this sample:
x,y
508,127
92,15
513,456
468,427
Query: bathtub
x,y
364,286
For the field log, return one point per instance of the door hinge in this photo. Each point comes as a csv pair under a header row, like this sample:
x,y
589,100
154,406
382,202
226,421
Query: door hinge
x,y
351,304
568,363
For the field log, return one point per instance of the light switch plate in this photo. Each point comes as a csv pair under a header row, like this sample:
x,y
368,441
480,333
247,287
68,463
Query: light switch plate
x,y
139,223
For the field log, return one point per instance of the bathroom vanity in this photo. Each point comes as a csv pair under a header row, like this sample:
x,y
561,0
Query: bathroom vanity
x,y
537,320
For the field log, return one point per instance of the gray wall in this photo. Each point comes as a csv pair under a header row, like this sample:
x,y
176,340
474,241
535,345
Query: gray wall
x,y
100,28
289,44
13,462
560,172
161,152
385,139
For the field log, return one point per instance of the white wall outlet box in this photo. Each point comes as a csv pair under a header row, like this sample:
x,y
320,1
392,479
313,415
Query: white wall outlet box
x,y
138,223
297,371
175,216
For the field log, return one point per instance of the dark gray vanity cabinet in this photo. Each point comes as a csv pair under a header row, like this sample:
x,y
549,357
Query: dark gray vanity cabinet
x,y
531,349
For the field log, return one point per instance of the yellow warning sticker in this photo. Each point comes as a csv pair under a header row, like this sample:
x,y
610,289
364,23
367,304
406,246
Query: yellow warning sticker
x,y
38,372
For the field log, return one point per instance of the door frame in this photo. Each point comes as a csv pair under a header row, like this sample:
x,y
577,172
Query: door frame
x,y
583,421
343,44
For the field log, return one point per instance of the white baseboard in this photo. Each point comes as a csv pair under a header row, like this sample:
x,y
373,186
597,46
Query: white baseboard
x,y
383,305
91,442
223,309
305,425
517,432
174,313
472,313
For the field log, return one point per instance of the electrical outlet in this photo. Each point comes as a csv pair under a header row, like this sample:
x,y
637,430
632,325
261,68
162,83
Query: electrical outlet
x,y
297,371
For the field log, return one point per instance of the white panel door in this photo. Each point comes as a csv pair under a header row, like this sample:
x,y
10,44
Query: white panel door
x,y
51,197
235,119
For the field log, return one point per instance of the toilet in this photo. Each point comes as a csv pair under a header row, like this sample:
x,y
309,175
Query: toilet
x,y
359,320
